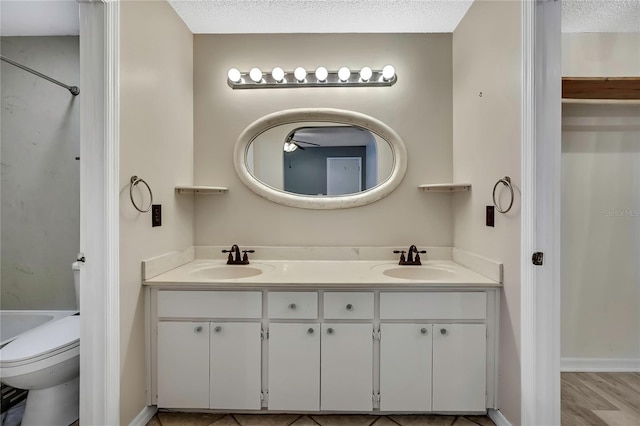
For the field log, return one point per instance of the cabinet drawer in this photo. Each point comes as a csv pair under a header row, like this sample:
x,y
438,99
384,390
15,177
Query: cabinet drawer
x,y
296,304
210,304
340,305
436,305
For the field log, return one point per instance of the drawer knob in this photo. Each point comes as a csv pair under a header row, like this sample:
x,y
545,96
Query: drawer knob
x,y
329,330
444,331
218,329
423,330
198,329
292,306
310,331
349,307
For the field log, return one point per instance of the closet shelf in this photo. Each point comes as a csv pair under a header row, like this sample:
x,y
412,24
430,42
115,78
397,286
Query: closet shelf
x,y
200,190
602,88
446,187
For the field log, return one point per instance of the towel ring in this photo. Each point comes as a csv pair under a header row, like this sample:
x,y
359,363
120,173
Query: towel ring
x,y
134,181
506,181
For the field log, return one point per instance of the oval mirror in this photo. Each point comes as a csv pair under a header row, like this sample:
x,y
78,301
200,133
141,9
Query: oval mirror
x,y
320,158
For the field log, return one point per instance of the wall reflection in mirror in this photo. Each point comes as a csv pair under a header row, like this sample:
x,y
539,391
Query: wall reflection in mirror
x,y
320,159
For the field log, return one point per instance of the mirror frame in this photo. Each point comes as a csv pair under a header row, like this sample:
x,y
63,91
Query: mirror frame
x,y
328,115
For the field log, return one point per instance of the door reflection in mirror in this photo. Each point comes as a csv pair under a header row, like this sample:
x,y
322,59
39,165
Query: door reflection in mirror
x,y
319,159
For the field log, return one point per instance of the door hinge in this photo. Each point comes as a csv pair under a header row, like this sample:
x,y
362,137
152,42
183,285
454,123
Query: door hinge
x,y
264,397
376,397
538,258
264,334
376,335
80,258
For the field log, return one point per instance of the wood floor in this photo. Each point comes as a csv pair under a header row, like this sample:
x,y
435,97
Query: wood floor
x,y
600,399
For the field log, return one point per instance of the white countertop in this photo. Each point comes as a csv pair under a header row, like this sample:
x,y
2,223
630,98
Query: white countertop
x,y
322,273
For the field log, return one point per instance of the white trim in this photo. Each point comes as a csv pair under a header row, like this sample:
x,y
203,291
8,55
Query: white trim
x,y
609,365
144,416
99,234
540,226
498,418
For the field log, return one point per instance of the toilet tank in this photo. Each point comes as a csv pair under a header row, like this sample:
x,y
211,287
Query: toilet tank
x,y
76,281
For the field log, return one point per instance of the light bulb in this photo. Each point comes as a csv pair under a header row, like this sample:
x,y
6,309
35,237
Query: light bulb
x,y
321,74
278,74
234,75
300,74
344,73
365,73
256,75
290,147
388,72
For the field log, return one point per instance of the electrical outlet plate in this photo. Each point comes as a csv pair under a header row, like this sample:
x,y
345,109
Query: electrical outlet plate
x,y
156,215
491,216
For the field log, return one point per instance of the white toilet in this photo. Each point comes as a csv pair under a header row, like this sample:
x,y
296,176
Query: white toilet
x,y
46,361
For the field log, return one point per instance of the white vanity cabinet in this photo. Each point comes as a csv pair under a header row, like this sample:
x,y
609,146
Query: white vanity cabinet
x,y
377,349
183,356
451,357
213,363
346,367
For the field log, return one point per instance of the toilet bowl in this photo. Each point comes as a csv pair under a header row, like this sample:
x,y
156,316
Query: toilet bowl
x,y
46,362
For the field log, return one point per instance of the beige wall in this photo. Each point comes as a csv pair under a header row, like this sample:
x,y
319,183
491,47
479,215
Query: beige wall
x,y
418,108
600,209
156,143
486,147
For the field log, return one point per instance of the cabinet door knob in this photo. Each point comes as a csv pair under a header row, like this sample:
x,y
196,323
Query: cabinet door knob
x,y
423,330
329,330
310,331
292,306
198,329
349,307
443,331
218,329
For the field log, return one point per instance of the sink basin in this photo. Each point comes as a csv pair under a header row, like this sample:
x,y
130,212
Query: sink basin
x,y
225,272
424,273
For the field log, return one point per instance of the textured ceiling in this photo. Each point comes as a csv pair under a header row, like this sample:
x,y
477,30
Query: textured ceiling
x,y
589,16
321,16
60,17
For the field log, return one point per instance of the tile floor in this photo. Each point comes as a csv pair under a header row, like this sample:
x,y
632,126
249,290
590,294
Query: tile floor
x,y
166,418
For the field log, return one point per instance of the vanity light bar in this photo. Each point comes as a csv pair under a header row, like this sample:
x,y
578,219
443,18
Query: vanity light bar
x,y
320,77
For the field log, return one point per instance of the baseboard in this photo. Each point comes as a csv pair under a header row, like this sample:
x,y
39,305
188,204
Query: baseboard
x,y
498,418
144,416
612,365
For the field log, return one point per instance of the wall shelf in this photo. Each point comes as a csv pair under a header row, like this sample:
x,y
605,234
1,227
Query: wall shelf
x,y
609,88
200,190
446,187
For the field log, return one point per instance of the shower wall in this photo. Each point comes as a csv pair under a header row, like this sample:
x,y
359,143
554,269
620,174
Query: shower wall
x,y
40,178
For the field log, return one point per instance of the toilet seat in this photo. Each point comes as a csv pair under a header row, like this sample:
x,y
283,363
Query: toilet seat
x,y
44,342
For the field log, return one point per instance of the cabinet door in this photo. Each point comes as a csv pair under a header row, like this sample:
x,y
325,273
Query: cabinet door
x,y
235,366
294,367
183,365
346,367
405,367
459,367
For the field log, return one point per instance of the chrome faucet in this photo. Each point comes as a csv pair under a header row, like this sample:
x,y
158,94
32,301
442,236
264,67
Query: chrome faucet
x,y
410,259
244,260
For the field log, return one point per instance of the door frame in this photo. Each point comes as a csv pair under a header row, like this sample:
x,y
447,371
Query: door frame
x,y
99,208
540,220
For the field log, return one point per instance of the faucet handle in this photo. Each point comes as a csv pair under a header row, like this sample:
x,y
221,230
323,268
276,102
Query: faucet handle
x,y
245,258
402,258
